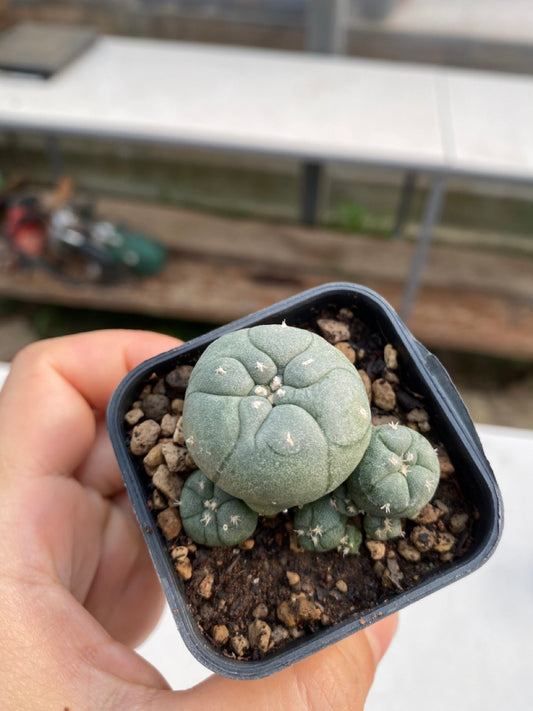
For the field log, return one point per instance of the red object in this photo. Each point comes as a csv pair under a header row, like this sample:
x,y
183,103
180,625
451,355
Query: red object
x,y
25,230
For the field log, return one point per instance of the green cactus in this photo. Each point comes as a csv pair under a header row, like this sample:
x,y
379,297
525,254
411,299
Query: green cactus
x,y
382,529
276,416
319,526
342,502
397,475
351,541
212,517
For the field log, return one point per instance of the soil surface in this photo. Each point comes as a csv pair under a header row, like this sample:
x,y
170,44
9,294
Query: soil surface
x,y
252,599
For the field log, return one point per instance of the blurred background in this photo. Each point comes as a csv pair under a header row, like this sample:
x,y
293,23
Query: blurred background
x,y
178,236
221,215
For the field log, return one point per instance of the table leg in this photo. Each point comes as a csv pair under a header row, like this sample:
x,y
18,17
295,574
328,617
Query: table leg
x,y
57,164
431,215
312,173
404,206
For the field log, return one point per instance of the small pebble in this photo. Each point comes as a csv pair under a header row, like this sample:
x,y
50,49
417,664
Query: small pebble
x,y
428,514
205,588
441,506
168,483
445,542
179,553
179,377
220,634
176,406
155,406
286,614
341,586
279,634
423,538
169,522
458,522
408,552
144,436
390,356
346,314
383,395
178,436
184,568
348,351
333,330
247,545
133,416
159,388
418,415
259,633
168,425
153,459
260,611
306,610
391,377
158,500
376,549
292,577
239,645
174,456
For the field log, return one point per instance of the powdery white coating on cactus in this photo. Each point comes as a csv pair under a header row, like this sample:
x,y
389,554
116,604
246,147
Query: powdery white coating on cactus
x,y
382,529
212,517
397,475
310,431
319,526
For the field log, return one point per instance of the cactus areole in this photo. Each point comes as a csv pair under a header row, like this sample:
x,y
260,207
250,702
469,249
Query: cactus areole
x,y
276,416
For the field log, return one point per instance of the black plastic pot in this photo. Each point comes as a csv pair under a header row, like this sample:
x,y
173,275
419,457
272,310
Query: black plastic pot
x,y
449,417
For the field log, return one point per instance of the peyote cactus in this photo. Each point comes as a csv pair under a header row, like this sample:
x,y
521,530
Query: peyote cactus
x,y
396,477
351,541
319,526
382,529
212,517
276,416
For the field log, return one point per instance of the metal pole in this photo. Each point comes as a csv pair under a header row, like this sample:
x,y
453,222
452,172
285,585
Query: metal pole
x,y
431,215
310,188
326,26
404,206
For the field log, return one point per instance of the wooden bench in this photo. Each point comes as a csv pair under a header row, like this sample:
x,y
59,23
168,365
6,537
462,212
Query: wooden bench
x,y
312,108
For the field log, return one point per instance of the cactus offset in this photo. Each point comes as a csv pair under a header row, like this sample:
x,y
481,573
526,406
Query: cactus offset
x,y
276,416
396,477
212,517
319,526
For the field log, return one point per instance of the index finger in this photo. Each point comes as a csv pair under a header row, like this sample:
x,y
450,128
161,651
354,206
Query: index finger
x,y
55,388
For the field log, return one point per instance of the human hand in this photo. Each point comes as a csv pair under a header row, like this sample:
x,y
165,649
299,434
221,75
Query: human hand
x,y
77,588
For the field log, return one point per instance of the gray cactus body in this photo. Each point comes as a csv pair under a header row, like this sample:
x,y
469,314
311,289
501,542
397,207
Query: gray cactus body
x,y
319,526
212,517
276,416
397,475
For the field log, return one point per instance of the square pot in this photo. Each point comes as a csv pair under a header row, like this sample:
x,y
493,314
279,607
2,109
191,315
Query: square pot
x,y
450,421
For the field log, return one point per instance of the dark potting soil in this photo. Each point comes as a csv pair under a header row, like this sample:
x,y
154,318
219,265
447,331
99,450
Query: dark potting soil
x,y
252,599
